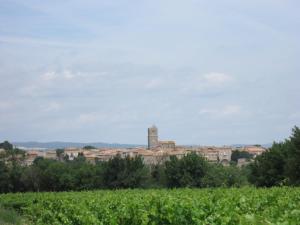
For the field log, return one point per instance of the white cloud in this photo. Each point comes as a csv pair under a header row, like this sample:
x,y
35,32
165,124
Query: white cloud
x,y
155,83
68,75
222,112
207,83
88,118
217,78
50,82
64,75
52,107
231,110
34,41
48,76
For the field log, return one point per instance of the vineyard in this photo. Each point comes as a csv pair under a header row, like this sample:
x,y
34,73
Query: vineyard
x,y
178,206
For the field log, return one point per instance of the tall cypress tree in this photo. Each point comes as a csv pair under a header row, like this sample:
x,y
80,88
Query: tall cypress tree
x,y
293,160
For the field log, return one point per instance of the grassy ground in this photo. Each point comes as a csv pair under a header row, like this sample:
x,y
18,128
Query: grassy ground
x,y
9,217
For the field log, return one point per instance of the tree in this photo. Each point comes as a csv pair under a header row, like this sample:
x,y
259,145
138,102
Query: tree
x,y
4,178
6,145
186,172
42,173
158,176
99,174
84,176
124,173
60,154
135,172
15,173
215,176
89,147
80,157
293,160
173,172
58,177
268,169
280,165
31,178
236,154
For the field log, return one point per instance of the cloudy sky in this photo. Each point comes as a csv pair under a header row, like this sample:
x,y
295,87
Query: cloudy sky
x,y
205,72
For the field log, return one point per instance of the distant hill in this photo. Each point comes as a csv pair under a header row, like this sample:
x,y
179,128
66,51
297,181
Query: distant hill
x,y
59,144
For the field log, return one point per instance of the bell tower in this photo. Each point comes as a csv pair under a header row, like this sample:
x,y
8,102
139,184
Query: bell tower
x,y
152,137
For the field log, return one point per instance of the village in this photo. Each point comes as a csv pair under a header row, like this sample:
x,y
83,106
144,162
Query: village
x,y
157,152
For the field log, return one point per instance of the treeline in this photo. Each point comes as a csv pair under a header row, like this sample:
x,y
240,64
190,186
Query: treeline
x,y
280,165
64,175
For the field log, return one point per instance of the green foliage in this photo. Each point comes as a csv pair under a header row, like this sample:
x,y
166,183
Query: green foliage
x,y
11,155
9,217
280,165
185,172
293,160
224,176
124,173
268,169
60,154
158,176
236,154
10,177
6,145
78,174
4,178
177,206
89,147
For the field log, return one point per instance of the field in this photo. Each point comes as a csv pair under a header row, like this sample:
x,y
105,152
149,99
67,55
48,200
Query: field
x,y
178,206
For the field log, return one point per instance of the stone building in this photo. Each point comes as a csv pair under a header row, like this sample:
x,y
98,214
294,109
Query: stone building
x,y
50,154
152,137
72,153
254,150
31,155
153,141
167,144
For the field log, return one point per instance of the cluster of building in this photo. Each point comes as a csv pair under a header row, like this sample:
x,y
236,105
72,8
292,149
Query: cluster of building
x,y
156,152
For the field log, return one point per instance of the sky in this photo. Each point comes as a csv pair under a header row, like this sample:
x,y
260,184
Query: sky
x,y
205,72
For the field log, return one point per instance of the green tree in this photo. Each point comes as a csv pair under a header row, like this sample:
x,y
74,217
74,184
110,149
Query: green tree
x,y
215,176
135,173
158,176
236,154
41,168
124,173
187,171
173,172
15,173
4,178
80,157
268,169
60,154
89,147
31,178
293,160
218,175
6,145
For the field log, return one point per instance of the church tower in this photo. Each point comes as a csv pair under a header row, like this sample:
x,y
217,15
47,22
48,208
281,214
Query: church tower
x,y
152,137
